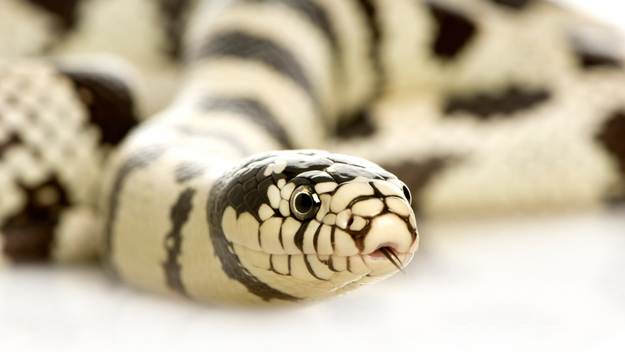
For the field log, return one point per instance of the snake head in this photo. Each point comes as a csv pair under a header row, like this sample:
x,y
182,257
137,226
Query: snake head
x,y
308,225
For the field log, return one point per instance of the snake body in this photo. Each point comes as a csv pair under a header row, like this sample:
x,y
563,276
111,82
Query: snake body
x,y
475,106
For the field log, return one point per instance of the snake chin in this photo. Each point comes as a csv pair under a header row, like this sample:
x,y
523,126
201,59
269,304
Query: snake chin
x,y
313,277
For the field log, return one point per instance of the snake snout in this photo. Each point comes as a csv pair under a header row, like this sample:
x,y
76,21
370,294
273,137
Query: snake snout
x,y
392,232
389,245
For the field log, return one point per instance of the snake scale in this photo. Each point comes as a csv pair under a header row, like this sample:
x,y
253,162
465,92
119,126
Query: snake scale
x,y
225,193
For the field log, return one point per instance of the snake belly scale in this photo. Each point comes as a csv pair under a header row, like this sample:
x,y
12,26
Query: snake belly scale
x,y
224,193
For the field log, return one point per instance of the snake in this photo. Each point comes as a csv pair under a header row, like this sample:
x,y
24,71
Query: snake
x,y
277,151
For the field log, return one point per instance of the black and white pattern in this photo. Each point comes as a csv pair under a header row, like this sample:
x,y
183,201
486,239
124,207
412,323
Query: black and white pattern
x,y
466,105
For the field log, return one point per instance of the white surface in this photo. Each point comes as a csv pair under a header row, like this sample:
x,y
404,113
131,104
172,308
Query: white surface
x,y
549,283
556,282
608,10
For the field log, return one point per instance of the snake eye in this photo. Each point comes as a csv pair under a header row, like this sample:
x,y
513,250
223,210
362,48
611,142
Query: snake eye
x,y
304,203
407,194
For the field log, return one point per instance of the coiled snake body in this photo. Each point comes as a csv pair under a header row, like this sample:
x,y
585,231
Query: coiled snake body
x,y
481,105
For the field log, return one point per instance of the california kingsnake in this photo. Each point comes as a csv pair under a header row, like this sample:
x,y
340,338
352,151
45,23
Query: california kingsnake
x,y
481,105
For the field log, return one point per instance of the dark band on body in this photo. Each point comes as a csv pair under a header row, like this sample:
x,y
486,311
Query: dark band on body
x,y
174,11
12,140
361,125
590,56
508,102
109,102
64,11
138,160
188,170
173,241
590,60
313,12
254,111
454,31
29,234
417,175
612,138
513,4
250,47
370,12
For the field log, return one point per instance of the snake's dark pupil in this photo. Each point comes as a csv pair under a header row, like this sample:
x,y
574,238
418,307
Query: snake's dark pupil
x,y
303,203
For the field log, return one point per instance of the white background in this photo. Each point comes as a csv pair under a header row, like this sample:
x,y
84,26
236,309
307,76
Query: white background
x,y
553,282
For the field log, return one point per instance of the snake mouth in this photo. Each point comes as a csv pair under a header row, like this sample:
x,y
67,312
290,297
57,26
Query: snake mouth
x,y
383,250
388,251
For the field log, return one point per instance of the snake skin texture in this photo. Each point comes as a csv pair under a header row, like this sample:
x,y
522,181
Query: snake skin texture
x,y
184,146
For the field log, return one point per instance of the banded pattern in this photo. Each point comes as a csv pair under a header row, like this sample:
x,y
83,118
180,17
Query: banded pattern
x,y
510,102
473,104
50,175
